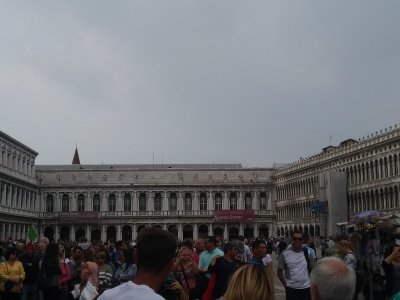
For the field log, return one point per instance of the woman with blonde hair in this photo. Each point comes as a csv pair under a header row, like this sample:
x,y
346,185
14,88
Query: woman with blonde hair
x,y
250,282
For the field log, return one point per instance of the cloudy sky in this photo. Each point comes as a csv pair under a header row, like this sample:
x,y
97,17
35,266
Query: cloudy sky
x,y
251,82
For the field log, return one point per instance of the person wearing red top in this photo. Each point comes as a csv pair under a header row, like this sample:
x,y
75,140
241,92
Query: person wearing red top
x,y
65,276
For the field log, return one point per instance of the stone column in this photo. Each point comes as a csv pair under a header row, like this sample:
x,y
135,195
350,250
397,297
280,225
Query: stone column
x,y
240,203
241,229
254,201
56,233
195,232
164,200
3,193
135,202
210,201
180,205
72,233
180,232
134,232
103,233
225,202
119,232
210,230
226,233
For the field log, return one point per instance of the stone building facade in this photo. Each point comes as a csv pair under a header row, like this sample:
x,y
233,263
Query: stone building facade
x,y
114,202
307,192
19,192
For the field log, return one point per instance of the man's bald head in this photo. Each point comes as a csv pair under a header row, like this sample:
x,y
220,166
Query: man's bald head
x,y
332,279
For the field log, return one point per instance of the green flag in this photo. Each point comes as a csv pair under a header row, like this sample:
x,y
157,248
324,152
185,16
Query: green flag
x,y
32,233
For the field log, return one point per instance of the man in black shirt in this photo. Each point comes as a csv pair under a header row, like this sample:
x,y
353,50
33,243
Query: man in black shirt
x,y
30,262
223,267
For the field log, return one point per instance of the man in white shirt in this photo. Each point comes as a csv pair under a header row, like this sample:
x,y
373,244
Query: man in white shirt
x,y
296,280
155,254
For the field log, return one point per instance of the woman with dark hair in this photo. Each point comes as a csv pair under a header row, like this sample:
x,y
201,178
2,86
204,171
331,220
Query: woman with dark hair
x,y
11,274
128,269
49,272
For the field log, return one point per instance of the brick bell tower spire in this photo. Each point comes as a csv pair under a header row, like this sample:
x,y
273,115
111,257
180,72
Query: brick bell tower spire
x,y
75,160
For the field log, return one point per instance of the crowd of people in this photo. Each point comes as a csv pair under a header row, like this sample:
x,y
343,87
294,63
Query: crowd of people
x,y
157,266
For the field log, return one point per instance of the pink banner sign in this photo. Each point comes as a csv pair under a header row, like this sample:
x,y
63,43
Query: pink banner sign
x,y
79,217
233,215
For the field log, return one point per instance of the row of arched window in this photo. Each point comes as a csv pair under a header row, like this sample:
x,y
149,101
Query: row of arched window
x,y
157,202
373,170
378,199
295,211
298,188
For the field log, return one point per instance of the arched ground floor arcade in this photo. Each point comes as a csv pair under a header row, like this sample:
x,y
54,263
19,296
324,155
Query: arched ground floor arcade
x,y
129,231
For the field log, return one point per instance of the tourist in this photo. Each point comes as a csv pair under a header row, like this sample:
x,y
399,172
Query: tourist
x,y
391,266
12,274
332,279
249,282
156,250
296,280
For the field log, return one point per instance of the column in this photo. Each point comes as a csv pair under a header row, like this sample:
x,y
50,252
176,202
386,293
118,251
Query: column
x,y
226,232
210,230
180,206
195,232
225,203
87,232
33,170
180,232
103,233
56,233
210,201
254,201
119,232
164,198
103,202
134,232
256,233
3,228
3,191
240,204
72,233
135,202
241,229
150,201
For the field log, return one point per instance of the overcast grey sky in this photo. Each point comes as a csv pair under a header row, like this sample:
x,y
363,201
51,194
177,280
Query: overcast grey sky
x,y
251,82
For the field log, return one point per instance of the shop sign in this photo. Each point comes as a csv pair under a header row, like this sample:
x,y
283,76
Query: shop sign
x,y
79,217
233,215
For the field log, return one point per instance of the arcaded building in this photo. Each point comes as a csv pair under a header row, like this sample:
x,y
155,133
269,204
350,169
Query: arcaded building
x,y
317,194
19,192
320,193
114,202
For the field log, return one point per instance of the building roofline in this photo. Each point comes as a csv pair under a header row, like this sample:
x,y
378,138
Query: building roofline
x,y
21,145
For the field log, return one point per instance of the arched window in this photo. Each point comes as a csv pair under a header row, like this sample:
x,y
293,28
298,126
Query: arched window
x,y
96,202
203,201
263,201
247,201
157,202
188,201
233,201
65,203
49,203
173,202
218,201
112,202
142,203
127,202
81,202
